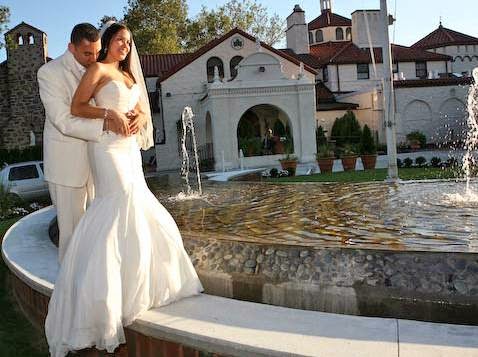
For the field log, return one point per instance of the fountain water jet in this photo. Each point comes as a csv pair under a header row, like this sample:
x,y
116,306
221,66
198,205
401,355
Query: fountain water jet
x,y
471,143
188,126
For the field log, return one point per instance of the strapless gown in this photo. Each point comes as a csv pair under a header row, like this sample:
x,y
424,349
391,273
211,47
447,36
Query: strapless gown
x,y
126,254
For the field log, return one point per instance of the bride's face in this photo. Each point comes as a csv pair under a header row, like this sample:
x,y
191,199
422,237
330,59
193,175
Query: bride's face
x,y
120,45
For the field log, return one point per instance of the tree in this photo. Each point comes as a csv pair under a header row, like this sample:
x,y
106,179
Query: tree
x,y
247,15
156,24
105,19
4,18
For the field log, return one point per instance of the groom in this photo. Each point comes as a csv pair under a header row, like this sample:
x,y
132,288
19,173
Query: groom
x,y
65,137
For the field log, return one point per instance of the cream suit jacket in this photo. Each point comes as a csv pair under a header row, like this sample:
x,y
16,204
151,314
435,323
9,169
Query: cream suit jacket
x,y
65,137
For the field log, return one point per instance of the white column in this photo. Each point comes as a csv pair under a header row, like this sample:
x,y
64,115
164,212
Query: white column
x,y
388,98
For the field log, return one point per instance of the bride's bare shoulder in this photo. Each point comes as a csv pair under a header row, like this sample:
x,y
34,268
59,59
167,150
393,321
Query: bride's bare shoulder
x,y
96,67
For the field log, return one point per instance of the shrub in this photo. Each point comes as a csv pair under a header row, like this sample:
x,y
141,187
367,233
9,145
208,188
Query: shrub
x,y
399,163
435,161
320,137
452,162
346,130
367,144
417,136
420,161
274,172
12,156
407,162
324,152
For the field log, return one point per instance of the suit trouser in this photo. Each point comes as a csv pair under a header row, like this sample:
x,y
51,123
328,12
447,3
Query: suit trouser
x,y
70,204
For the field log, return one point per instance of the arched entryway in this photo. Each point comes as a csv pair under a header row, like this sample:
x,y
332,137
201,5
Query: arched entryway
x,y
452,127
264,130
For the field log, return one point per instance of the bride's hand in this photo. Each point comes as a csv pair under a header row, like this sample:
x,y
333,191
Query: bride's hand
x,y
119,123
136,120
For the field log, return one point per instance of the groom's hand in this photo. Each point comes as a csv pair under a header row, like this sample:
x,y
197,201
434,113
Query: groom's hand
x,y
118,123
136,120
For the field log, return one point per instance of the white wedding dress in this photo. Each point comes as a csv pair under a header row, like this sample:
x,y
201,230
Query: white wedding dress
x,y
126,254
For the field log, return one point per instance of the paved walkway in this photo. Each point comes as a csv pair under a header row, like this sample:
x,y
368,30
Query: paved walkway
x,y
240,328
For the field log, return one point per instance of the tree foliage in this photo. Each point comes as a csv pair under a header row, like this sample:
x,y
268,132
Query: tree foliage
x,y
367,144
247,15
346,130
4,19
105,19
163,26
156,25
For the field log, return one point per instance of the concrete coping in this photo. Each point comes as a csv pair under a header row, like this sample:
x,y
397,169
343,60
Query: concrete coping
x,y
241,328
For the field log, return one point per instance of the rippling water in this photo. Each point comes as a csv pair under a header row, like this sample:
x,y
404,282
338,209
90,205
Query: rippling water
x,y
432,216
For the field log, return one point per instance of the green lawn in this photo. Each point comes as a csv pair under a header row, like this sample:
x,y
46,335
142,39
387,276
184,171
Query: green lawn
x,y
17,336
373,175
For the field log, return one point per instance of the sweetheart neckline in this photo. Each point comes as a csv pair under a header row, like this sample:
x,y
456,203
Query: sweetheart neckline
x,y
117,80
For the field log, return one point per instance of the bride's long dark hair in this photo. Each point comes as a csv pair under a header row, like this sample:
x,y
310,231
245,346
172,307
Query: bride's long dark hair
x,y
108,35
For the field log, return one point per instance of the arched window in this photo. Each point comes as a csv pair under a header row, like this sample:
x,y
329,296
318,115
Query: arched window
x,y
19,39
311,38
31,39
233,65
348,34
319,36
339,34
211,64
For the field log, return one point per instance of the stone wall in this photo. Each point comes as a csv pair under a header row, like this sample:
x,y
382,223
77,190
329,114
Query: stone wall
x,y
430,286
4,96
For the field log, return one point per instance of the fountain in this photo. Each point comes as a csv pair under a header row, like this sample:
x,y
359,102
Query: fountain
x,y
406,250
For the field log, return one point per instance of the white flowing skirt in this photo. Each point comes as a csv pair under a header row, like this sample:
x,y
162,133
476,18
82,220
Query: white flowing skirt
x,y
125,256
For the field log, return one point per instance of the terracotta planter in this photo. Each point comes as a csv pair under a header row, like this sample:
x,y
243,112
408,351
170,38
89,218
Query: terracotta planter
x,y
289,165
369,161
348,162
325,164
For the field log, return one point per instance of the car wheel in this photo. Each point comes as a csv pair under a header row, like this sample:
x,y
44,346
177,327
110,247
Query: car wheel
x,y
14,198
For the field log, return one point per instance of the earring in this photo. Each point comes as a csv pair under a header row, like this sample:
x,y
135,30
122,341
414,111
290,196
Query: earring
x,y
106,50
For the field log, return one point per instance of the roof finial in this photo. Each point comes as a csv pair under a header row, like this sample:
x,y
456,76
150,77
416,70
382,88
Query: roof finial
x,y
440,22
258,45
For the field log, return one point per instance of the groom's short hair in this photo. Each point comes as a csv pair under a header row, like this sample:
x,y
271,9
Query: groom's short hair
x,y
84,31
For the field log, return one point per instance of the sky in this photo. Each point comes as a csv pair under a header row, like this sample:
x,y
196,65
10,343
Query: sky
x,y
415,18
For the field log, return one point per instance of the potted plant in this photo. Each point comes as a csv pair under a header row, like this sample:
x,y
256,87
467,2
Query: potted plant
x,y
349,157
325,158
368,150
416,140
289,162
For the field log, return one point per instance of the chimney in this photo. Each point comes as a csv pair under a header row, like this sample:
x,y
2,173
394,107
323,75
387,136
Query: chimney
x,y
367,23
325,5
297,34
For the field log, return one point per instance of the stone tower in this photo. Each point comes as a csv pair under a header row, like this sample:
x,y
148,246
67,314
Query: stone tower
x,y
297,34
26,53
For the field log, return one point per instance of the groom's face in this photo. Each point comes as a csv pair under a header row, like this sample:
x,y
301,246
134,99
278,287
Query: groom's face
x,y
86,52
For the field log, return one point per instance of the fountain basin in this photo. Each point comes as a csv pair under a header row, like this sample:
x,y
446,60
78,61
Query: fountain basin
x,y
364,249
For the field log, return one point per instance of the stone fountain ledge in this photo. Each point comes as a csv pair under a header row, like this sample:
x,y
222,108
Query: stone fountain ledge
x,y
240,328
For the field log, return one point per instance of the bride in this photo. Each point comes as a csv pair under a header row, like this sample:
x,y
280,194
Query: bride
x,y
126,254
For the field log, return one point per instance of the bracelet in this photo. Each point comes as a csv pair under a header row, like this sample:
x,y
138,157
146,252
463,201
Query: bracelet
x,y
105,116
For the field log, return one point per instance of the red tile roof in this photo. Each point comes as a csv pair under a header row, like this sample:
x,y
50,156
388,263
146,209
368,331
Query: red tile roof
x,y
445,37
413,83
349,53
328,18
210,45
307,58
158,65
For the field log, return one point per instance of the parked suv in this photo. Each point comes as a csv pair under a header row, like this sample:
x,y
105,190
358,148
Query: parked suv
x,y
24,180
